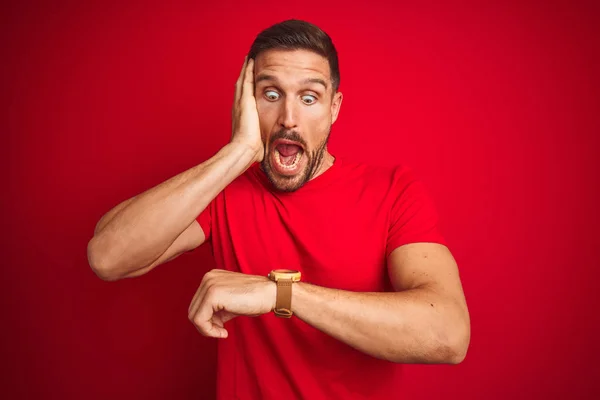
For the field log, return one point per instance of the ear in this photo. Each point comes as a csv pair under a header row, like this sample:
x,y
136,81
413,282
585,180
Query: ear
x,y
336,104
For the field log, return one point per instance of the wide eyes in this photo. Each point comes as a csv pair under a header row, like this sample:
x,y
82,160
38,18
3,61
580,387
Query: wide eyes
x,y
307,99
272,95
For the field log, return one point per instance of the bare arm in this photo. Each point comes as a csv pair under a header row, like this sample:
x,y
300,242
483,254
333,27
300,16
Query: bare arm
x,y
106,218
160,224
138,231
425,321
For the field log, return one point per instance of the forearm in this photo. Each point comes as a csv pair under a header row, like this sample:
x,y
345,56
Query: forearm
x,y
139,230
413,326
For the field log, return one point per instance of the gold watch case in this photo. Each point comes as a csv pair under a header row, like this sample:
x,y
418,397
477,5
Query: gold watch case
x,y
278,274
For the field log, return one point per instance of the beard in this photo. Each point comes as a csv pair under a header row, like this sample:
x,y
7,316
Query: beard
x,y
314,161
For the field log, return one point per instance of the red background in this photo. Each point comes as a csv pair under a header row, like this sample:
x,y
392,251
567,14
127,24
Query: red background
x,y
496,107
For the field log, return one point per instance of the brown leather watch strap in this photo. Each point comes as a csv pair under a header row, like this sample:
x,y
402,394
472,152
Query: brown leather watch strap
x,y
283,303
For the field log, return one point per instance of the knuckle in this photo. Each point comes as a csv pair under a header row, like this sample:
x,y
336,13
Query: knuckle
x,y
214,272
209,275
211,292
197,322
200,329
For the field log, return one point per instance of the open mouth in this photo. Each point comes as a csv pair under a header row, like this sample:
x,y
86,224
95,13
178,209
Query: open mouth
x,y
287,155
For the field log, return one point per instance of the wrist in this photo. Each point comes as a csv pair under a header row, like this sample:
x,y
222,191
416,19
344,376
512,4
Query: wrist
x,y
298,293
272,294
248,151
285,280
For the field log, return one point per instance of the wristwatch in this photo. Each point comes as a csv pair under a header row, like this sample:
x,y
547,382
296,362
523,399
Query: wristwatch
x,y
284,279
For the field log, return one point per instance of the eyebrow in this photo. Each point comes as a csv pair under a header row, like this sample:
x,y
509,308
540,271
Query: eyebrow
x,y
265,77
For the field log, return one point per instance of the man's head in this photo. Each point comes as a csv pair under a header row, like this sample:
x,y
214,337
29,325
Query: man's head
x,y
296,88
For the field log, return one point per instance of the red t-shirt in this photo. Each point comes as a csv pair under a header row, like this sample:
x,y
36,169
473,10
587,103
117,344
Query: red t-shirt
x,y
338,230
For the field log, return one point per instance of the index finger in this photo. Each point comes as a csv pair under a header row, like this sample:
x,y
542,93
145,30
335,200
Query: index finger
x,y
204,321
238,83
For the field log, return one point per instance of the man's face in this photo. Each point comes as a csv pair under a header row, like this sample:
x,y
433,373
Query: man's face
x,y
296,108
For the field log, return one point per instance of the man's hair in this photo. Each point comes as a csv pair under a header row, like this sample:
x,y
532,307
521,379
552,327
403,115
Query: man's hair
x,y
295,34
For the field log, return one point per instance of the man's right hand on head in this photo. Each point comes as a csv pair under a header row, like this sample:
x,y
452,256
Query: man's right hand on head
x,y
244,113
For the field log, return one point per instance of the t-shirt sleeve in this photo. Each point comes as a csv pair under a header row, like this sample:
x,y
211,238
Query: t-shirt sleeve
x,y
414,217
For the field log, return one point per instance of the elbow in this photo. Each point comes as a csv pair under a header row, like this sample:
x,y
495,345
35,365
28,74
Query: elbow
x,y
99,264
451,350
444,347
457,345
448,344
106,275
457,353
444,343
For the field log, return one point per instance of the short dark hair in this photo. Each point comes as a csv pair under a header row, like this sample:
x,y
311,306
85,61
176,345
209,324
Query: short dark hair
x,y
295,34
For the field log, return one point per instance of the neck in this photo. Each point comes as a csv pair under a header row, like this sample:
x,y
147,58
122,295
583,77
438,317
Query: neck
x,y
326,163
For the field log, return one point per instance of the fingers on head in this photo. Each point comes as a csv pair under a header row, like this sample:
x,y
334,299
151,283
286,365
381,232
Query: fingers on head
x,y
249,79
240,81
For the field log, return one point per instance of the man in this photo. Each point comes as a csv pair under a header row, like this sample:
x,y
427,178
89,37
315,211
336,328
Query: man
x,y
371,285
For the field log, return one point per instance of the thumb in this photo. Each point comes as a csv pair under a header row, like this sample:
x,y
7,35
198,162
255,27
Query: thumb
x,y
218,332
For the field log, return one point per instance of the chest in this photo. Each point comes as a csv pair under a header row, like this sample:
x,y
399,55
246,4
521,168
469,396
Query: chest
x,y
335,241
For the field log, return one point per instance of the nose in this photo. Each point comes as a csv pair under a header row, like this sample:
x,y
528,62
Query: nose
x,y
287,114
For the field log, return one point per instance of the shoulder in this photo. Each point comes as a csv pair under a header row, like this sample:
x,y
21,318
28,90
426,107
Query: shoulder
x,y
394,177
395,187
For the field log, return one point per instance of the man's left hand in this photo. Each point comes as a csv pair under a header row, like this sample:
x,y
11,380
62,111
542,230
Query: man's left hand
x,y
223,295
